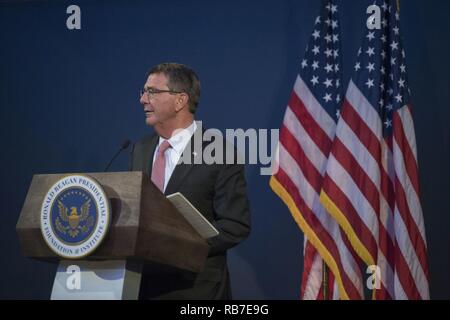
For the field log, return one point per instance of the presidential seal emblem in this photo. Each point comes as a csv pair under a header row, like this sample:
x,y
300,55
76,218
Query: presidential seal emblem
x,y
75,216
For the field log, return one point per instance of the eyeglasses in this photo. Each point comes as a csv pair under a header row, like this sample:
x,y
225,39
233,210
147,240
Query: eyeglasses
x,y
151,92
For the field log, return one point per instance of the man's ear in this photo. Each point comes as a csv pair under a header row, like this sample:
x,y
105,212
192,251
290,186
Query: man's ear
x,y
181,102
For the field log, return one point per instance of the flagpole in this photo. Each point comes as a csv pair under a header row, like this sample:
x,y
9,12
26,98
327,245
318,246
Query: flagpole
x,y
398,6
325,281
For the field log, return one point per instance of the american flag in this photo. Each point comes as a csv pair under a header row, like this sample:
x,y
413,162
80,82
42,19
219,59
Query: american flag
x,y
306,136
371,185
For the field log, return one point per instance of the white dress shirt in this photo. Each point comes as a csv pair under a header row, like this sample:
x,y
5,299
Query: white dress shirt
x,y
178,142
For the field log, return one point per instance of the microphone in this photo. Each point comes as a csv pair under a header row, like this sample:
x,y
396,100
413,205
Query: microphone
x,y
124,145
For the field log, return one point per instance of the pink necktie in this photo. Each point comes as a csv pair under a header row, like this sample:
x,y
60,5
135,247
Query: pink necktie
x,y
159,167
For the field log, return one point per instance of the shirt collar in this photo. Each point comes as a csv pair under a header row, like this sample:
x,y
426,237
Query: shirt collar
x,y
179,140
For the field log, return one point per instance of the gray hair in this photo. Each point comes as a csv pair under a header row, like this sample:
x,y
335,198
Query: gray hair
x,y
181,78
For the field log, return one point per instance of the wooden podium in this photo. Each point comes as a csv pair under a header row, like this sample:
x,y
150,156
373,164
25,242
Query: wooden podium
x,y
145,229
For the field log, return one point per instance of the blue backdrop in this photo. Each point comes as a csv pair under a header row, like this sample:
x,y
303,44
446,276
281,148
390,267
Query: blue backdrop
x,y
70,97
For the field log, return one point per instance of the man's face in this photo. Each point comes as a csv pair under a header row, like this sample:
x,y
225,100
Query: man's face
x,y
160,107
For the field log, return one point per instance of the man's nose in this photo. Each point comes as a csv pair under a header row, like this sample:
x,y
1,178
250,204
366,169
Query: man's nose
x,y
143,99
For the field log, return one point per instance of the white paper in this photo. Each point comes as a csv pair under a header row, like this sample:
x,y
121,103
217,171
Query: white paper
x,y
193,216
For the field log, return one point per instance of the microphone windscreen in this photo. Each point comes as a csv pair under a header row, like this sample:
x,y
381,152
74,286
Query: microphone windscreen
x,y
125,144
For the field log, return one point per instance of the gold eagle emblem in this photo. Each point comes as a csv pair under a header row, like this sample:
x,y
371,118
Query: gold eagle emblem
x,y
73,221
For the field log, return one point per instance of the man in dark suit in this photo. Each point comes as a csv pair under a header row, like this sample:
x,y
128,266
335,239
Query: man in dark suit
x,y
170,98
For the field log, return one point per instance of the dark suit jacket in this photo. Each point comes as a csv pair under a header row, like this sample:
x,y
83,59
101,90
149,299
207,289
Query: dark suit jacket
x,y
218,191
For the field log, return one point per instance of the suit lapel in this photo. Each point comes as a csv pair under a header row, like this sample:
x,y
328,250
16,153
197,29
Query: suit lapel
x,y
181,169
149,145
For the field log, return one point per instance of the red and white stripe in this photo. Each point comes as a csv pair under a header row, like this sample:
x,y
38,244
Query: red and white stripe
x,y
411,268
305,141
372,184
312,278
